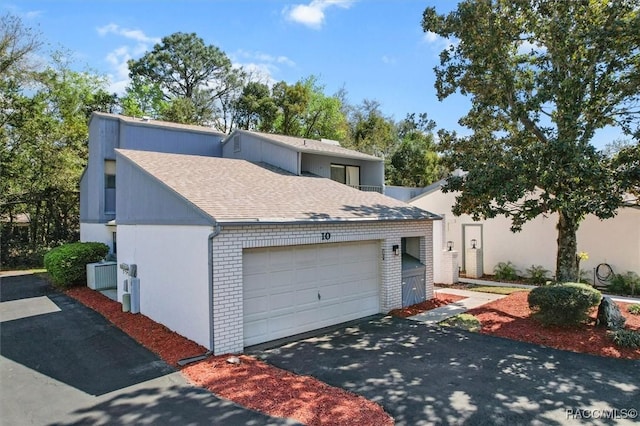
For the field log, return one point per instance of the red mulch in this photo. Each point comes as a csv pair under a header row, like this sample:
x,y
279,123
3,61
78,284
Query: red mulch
x,y
262,387
253,383
441,299
510,318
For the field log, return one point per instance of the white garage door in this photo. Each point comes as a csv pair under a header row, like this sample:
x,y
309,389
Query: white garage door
x,y
290,290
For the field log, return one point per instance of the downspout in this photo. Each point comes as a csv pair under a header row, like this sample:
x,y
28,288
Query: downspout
x,y
185,361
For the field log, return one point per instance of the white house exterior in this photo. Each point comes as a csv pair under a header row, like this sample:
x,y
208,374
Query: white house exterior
x,y
262,237
613,241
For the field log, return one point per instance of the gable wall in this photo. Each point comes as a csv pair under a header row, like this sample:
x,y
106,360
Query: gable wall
x,y
256,149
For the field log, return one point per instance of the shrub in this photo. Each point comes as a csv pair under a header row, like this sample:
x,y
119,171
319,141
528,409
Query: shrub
x,y
634,309
66,264
537,274
628,283
563,304
626,338
505,271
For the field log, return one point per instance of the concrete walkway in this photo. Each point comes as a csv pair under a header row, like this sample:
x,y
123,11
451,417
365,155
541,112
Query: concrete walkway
x,y
473,300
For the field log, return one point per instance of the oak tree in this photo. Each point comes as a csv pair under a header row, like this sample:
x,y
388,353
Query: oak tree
x,y
542,76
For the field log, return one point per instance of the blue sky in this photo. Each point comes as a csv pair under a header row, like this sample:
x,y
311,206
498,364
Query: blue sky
x,y
375,49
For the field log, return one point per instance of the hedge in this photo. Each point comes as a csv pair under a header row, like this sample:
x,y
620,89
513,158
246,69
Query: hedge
x,y
563,304
67,264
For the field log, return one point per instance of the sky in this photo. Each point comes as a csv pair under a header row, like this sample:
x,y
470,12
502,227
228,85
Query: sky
x,y
374,49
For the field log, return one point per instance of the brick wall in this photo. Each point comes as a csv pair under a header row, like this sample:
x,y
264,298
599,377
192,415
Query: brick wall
x,y
227,264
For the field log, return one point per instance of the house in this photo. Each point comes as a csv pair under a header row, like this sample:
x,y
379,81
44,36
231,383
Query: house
x,y
264,238
614,241
107,132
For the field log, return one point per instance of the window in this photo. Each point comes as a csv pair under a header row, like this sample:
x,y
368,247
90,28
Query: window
x,y
109,186
349,175
115,242
236,144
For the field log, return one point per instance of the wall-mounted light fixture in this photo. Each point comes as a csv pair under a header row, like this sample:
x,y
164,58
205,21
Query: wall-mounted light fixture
x,y
473,243
449,245
396,250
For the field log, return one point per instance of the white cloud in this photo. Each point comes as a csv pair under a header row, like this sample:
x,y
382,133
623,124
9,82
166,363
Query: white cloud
x,y
117,58
312,14
527,47
261,65
136,35
438,42
388,59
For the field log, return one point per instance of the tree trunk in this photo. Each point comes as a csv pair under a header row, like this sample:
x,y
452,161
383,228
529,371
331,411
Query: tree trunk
x,y
566,261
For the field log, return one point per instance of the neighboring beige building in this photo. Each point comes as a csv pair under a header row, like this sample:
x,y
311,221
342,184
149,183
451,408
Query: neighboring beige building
x,y
614,241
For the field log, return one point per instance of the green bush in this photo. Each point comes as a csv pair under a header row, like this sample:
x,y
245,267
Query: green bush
x,y
563,304
67,264
537,274
628,283
626,338
634,309
505,271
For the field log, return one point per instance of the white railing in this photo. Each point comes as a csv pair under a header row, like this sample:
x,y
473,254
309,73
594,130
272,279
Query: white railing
x,y
368,188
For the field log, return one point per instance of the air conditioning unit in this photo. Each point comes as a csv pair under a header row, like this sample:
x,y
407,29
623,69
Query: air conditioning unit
x,y
102,276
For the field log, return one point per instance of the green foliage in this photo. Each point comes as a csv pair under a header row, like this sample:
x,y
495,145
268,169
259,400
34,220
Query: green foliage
x,y
634,309
464,321
192,76
542,80
505,271
628,283
626,338
563,304
67,263
415,162
537,274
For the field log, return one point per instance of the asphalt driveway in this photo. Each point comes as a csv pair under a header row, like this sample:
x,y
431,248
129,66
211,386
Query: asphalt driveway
x,y
425,375
62,363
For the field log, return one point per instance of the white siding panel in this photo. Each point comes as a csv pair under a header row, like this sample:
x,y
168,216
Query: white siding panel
x,y
173,271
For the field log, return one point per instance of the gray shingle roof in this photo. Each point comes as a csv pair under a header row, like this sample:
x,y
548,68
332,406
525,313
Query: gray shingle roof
x,y
310,146
158,123
231,190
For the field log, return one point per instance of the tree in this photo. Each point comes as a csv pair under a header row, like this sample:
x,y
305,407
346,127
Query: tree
x,y
415,162
183,67
323,117
17,46
256,109
143,99
371,132
542,76
292,101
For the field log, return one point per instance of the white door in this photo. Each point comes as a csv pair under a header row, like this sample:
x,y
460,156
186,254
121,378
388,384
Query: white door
x,y
290,290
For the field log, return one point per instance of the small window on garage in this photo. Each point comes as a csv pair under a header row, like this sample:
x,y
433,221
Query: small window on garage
x,y
236,144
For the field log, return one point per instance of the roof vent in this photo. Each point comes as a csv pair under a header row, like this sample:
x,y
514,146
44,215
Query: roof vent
x,y
146,118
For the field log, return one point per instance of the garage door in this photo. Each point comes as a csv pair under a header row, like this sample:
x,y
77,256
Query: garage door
x,y
290,290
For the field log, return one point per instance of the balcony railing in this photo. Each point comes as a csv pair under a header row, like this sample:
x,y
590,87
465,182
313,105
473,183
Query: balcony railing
x,y
368,188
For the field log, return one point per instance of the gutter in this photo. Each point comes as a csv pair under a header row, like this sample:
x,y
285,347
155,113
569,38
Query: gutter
x,y
216,231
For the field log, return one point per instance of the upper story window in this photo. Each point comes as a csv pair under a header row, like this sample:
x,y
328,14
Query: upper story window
x,y
349,175
109,186
236,144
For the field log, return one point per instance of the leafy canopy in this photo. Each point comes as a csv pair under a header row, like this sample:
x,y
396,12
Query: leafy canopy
x,y
543,76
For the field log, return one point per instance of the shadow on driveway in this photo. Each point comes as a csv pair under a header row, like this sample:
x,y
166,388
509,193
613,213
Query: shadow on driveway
x,y
430,375
74,367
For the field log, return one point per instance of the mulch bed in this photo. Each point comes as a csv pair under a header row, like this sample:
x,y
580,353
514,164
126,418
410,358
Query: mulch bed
x,y
252,383
441,299
510,317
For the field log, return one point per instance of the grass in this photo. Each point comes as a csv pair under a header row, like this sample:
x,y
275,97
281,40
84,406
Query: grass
x,y
496,290
28,270
464,321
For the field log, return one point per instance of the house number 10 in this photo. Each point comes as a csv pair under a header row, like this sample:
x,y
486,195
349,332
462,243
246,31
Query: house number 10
x,y
326,236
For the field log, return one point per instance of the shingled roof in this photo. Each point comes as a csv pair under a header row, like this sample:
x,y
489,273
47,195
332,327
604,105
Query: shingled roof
x,y
231,190
311,146
140,121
